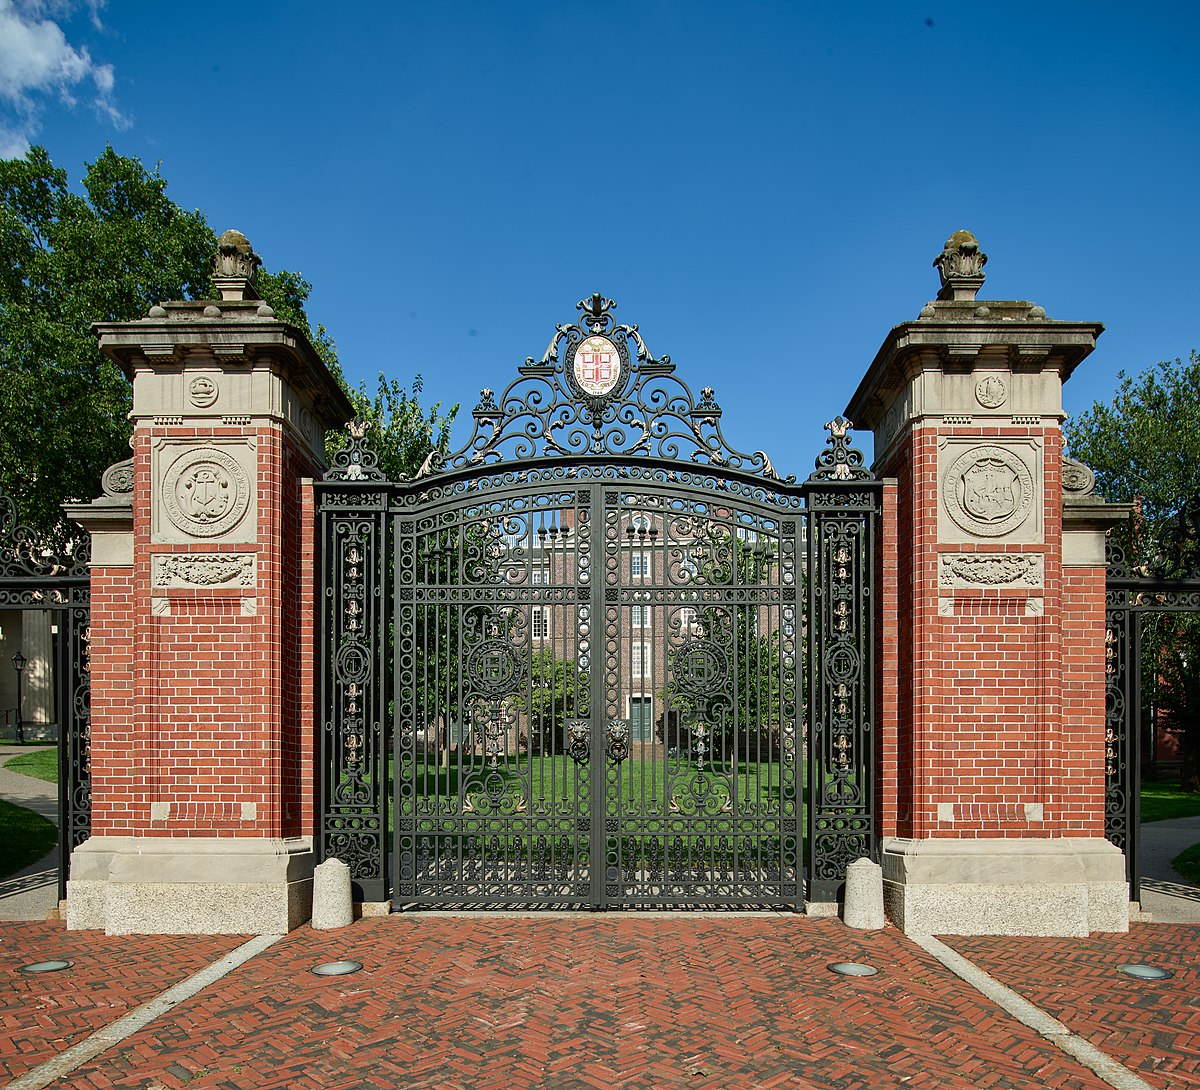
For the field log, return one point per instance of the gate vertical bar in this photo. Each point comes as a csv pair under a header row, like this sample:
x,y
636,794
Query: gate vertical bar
x,y
73,669
356,616
602,660
843,502
1122,713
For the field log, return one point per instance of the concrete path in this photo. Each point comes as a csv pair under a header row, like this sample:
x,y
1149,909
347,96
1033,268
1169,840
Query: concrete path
x,y
33,892
1165,895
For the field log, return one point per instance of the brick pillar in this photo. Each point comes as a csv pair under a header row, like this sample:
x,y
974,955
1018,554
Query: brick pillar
x,y
993,758
201,730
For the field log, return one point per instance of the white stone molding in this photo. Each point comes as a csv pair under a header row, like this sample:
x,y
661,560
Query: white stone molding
x,y
990,490
203,570
203,490
961,571
991,391
203,391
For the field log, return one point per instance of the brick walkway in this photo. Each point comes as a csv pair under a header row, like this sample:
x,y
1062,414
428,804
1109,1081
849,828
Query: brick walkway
x,y
584,1001
1152,1028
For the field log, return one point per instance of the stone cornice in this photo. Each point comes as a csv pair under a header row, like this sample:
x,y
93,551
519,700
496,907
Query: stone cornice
x,y
237,333
956,337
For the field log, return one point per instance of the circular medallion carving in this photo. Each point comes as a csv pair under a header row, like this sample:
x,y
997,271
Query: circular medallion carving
x,y
988,491
991,392
206,492
493,668
597,366
202,391
699,667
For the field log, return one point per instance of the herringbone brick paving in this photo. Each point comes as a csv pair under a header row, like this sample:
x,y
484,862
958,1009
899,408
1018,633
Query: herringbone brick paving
x,y
42,1015
1153,1028
579,1002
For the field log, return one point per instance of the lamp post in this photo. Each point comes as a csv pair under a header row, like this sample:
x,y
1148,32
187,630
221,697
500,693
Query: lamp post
x,y
18,661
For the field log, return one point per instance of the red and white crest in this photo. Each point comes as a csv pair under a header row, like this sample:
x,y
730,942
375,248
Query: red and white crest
x,y
597,365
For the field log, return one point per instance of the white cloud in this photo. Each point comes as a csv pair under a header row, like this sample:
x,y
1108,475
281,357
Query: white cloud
x,y
36,60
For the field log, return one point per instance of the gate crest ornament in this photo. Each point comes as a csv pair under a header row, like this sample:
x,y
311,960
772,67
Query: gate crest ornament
x,y
597,390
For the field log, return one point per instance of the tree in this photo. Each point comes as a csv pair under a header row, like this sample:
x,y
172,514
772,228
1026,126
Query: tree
x,y
750,703
106,255
556,696
1145,449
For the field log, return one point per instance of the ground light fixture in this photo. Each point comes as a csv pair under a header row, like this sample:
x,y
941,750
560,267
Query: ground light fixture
x,y
336,968
1141,971
45,966
852,968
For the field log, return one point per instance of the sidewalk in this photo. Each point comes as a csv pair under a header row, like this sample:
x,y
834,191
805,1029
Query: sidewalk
x,y
31,893
598,1001
1165,895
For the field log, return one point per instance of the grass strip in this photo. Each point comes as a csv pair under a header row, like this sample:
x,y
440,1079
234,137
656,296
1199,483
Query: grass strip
x,y
24,838
42,764
1187,864
1164,801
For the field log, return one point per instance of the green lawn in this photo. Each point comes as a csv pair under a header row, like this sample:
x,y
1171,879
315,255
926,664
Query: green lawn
x,y
1187,863
24,838
42,764
1163,801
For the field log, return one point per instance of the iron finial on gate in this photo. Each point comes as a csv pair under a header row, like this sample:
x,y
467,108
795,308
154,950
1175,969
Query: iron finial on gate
x,y
596,311
838,462
355,461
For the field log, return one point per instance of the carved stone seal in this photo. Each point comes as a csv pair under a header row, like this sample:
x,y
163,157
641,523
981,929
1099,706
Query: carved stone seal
x,y
206,492
991,392
988,491
202,391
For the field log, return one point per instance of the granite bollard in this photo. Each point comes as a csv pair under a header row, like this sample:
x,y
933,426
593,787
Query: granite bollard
x,y
864,895
332,902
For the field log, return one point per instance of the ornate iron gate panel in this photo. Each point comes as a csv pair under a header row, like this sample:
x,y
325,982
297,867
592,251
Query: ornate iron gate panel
x,y
1166,581
33,578
564,666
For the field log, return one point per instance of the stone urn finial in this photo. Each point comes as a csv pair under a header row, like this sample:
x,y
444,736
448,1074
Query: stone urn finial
x,y
235,266
960,266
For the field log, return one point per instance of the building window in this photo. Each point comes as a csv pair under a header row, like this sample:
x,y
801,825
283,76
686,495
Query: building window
x,y
540,622
640,616
537,577
641,659
639,564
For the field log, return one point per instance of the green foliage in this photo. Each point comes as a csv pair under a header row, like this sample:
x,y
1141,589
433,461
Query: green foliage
x,y
41,764
1145,446
106,255
752,699
398,429
1145,449
556,696
24,838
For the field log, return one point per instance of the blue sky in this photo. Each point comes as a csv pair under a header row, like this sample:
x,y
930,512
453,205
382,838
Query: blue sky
x,y
762,187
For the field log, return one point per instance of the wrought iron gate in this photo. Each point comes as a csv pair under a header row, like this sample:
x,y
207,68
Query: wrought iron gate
x,y
1164,579
565,665
33,578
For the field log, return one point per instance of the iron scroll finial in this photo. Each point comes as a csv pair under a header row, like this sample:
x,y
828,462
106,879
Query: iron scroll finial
x,y
838,462
596,311
356,461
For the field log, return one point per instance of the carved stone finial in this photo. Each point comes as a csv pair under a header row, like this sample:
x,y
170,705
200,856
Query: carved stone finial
x,y
235,266
960,266
1078,480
